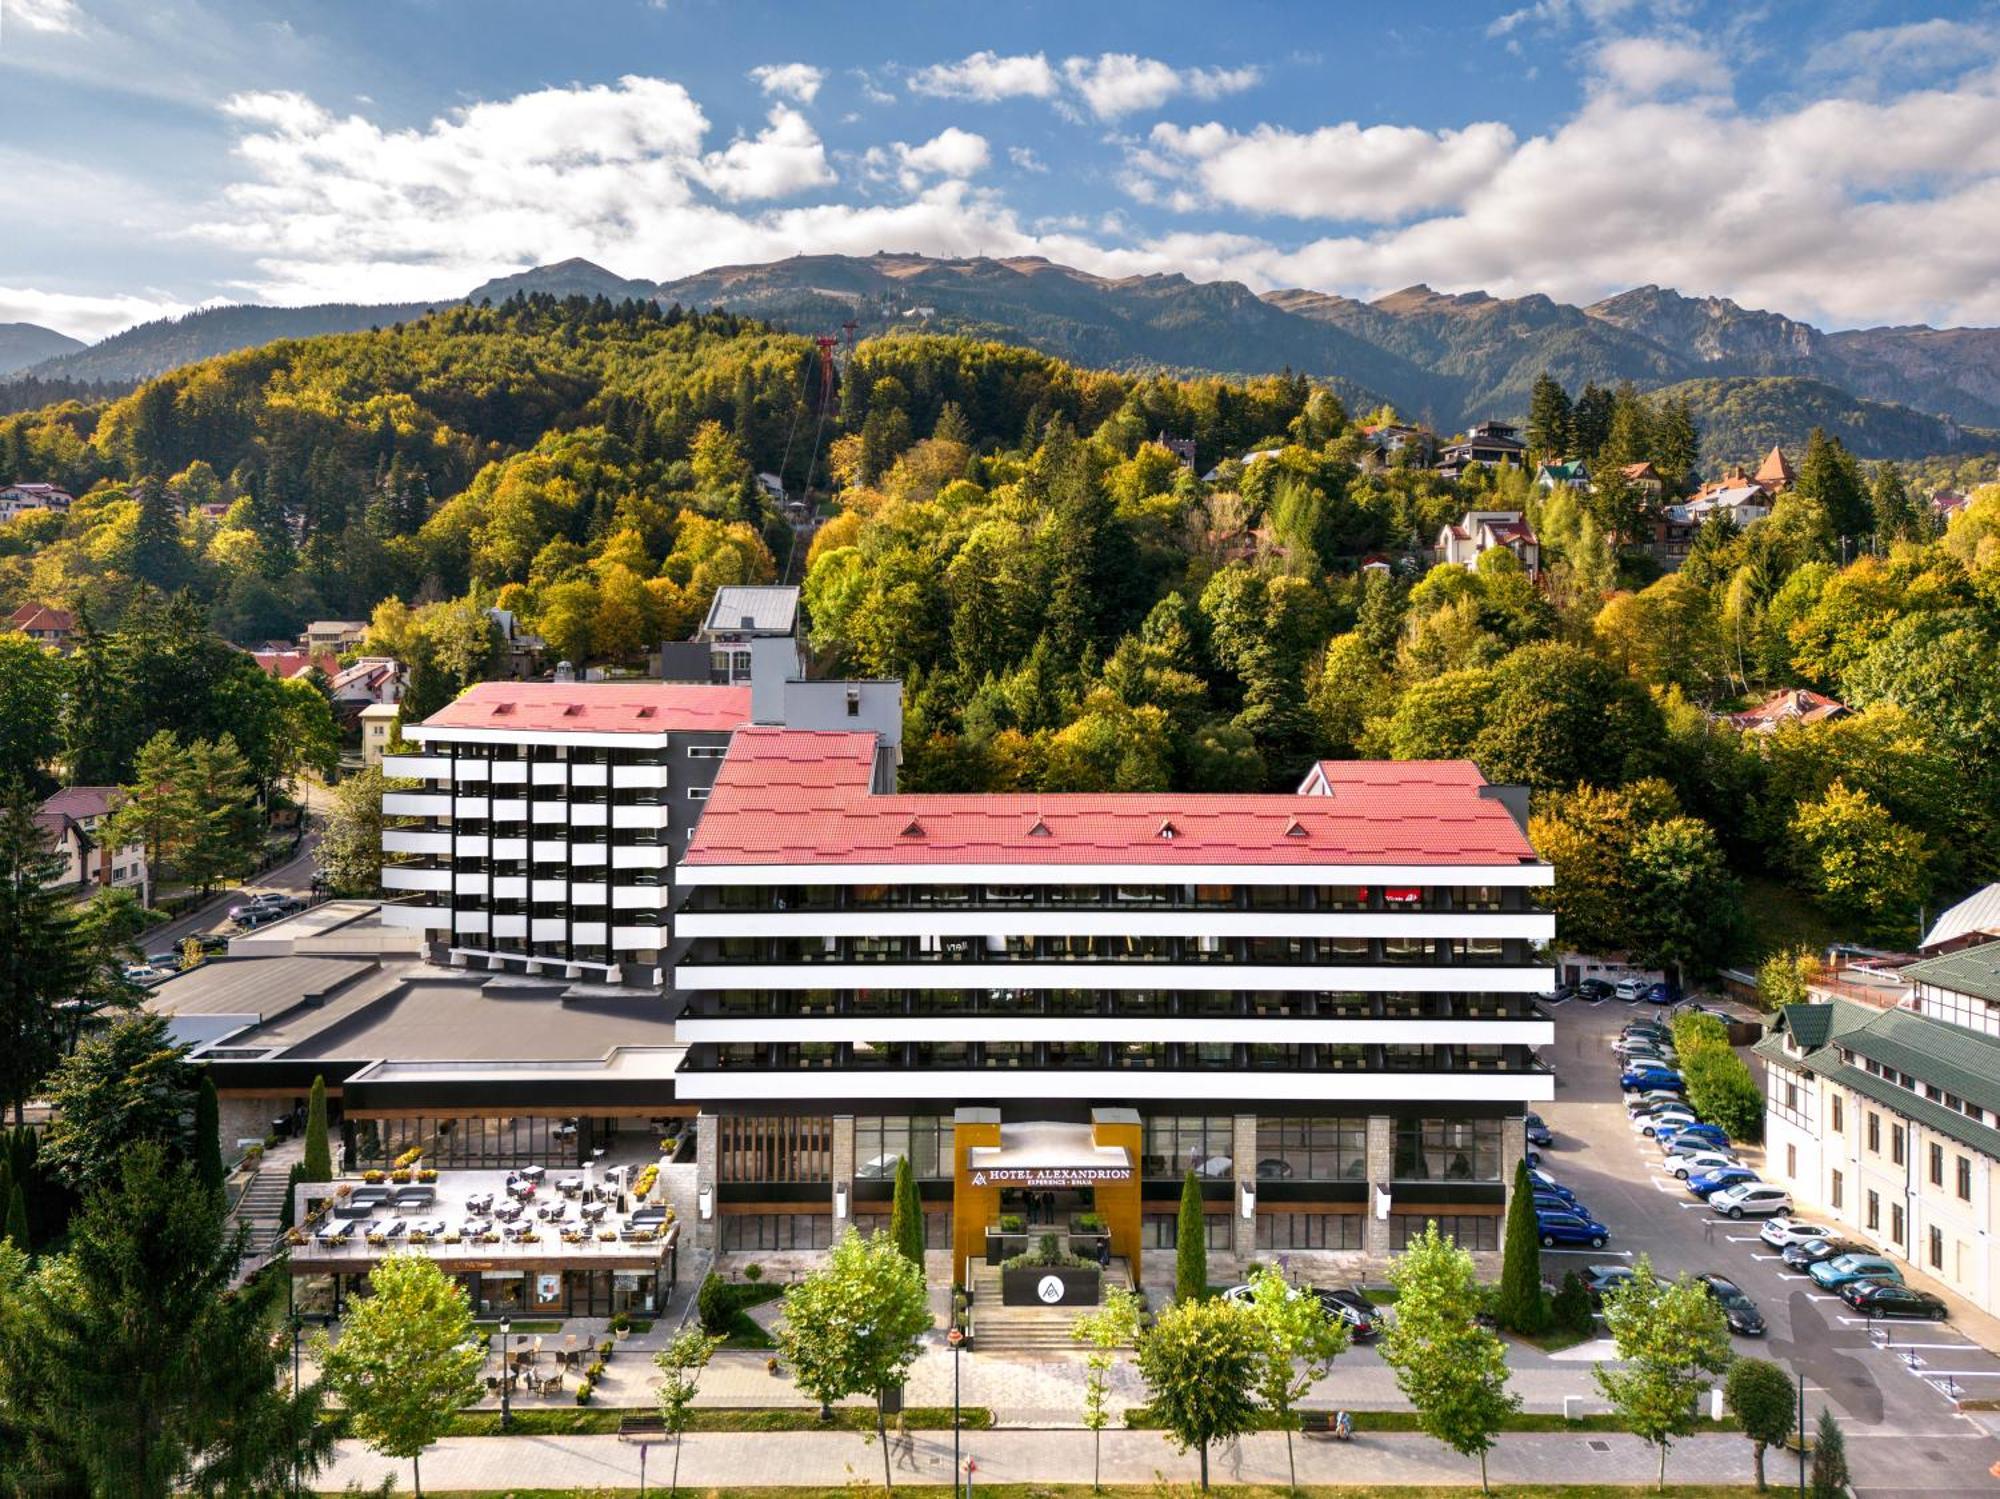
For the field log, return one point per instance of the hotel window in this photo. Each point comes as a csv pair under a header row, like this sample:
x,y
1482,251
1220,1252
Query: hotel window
x,y
1937,1247
880,1140
1341,897
1897,1137
1937,1165
1839,1116
1874,1133
1162,1230
1312,1149
745,1231
1467,1230
1476,898
1203,1144
1873,1218
1404,898
1447,1150
1309,1230
1343,950
1964,1179
697,793
1407,950
780,1148
707,751
1896,1222
1791,1095
1833,1192
1792,1161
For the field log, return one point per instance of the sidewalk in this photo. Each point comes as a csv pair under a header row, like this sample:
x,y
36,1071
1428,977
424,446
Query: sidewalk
x,y
726,1459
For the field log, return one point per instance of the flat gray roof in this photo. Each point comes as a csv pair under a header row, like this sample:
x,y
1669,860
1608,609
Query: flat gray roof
x,y
433,1019
765,610
264,987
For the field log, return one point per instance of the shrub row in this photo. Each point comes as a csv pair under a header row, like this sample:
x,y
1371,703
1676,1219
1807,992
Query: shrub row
x,y
1719,1086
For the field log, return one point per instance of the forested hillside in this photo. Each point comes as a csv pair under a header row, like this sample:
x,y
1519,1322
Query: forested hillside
x,y
1069,606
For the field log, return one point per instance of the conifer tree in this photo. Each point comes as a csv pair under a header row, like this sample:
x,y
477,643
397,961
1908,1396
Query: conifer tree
x,y
208,1134
39,961
1191,1244
1522,1305
318,1163
906,1215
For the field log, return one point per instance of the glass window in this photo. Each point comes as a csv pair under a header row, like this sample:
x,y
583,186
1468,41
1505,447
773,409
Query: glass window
x,y
741,1231
1469,1231
1447,1150
1309,1230
880,1140
1312,1149
1162,1230
1341,898
781,1148
1964,1179
1177,1143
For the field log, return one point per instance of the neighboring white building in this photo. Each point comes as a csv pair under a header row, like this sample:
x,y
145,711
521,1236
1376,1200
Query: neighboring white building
x,y
1480,531
1973,921
1887,1122
378,721
73,819
18,499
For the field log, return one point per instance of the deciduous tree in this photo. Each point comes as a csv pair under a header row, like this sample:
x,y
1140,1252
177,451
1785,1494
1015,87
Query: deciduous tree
x,y
680,1364
1201,1360
1114,1325
1301,1341
1673,1340
1761,1397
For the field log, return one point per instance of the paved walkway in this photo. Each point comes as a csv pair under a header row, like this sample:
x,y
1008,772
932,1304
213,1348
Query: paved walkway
x,y
718,1459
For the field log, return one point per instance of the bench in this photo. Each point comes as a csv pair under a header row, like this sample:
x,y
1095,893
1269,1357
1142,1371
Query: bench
x,y
640,1428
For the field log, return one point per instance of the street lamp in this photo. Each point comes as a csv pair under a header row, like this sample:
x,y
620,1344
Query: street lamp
x,y
506,1373
954,1337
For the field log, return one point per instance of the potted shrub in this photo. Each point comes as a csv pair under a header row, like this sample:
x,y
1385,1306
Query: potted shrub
x,y
621,1324
451,1236
1006,1241
344,1191
295,1236
400,1174
583,1392
1023,1277
373,1177
771,1366
427,1175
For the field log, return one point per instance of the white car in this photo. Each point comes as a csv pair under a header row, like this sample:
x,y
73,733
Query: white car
x,y
1751,1200
1782,1231
1691,1162
1631,989
1648,1124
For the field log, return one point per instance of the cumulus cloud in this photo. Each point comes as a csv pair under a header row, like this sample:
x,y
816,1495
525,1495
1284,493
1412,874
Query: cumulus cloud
x,y
951,153
790,80
1919,49
1025,159
1377,173
988,77
1647,65
86,317
784,158
44,15
1114,84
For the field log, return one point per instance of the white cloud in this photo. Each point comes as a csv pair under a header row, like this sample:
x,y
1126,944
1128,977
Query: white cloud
x,y
1377,174
988,77
43,15
1644,66
85,317
790,80
784,158
1025,159
1919,49
1114,84
952,153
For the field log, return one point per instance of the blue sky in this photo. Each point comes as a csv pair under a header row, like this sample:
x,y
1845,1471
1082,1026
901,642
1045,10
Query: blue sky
x,y
1839,161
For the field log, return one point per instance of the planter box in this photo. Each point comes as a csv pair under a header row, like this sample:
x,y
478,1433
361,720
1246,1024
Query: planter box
x,y
1048,1285
1002,1247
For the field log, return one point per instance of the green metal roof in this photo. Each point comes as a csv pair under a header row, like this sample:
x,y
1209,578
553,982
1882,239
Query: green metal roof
x,y
1947,1056
1810,1025
1970,970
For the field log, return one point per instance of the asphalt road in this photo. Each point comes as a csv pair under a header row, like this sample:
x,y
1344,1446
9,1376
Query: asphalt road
x,y
293,878
1892,1399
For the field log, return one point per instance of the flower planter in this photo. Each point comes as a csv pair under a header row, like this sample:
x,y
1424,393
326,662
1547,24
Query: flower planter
x,y
1001,1247
1051,1285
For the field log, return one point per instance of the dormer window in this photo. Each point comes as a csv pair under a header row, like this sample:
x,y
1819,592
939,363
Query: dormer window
x,y
1040,830
1169,831
1295,829
913,829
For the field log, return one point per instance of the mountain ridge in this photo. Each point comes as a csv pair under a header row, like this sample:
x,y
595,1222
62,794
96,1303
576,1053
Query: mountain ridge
x,y
1450,358
25,344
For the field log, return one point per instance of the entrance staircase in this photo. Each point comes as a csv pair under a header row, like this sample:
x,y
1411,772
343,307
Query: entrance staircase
x,y
1026,1330
262,1204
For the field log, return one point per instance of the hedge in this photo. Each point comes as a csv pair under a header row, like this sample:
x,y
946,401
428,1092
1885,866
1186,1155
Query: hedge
x,y
1719,1086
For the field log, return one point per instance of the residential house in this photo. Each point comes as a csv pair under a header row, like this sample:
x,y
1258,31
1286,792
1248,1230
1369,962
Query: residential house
x,y
1972,922
1487,445
18,499
1775,474
332,636
1946,503
76,816
1745,504
1181,447
1794,705
371,680
1886,1122
44,625
1481,530
1644,478
520,652
378,723
1572,475
1249,461
284,663
1392,438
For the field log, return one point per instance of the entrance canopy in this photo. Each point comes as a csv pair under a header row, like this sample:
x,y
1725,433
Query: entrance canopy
x,y
1048,1156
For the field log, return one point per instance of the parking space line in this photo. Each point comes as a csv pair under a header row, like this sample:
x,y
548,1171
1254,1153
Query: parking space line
x,y
1617,1254
1744,1238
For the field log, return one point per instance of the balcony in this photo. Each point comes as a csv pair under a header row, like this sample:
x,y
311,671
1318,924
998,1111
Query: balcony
x,y
643,856
511,926
470,884
1036,974
415,877
470,845
548,890
510,887
510,772
587,855
470,921
638,938
414,841
415,804
593,894
551,850
587,775
588,933
588,814
654,817
549,928
511,849
641,897
473,770
416,918
509,810
639,777
552,812
551,773
417,767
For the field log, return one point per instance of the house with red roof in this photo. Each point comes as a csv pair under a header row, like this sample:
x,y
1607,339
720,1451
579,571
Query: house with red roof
x,y
1463,542
45,625
1793,705
74,820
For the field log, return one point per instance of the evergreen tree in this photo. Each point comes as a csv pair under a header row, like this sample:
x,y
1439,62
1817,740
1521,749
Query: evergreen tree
x,y
1676,444
1830,1477
1549,419
318,1163
132,1364
157,557
16,1232
906,1215
1590,422
161,811
1889,498
273,527
126,1087
208,1135
1191,1244
228,831
39,961
1522,1305
1829,476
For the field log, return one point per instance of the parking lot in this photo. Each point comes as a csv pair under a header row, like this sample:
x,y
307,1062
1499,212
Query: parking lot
x,y
1892,1385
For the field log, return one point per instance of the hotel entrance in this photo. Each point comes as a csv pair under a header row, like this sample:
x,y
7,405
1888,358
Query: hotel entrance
x,y
1015,1184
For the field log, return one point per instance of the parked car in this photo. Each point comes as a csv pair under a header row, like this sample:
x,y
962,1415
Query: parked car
x,y
1634,1078
1659,994
1783,1230
1744,1318
1713,1135
1630,989
1752,1199
1683,1143
1598,1279
1541,1181
1689,1163
1562,992
1887,1299
1548,1202
146,973
1571,1227
1647,1101
1844,1269
1802,1257
1538,1132
1708,1183
263,900
1345,1303
1595,990
1664,1121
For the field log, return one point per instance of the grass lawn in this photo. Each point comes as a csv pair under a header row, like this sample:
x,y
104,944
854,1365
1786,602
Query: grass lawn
x,y
602,1420
743,1331
1139,1418
1165,1491
492,1325
1557,1341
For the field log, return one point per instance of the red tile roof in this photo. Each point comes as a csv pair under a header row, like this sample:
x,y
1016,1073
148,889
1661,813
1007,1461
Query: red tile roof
x,y
287,664
84,801
789,796
30,617
1795,704
595,707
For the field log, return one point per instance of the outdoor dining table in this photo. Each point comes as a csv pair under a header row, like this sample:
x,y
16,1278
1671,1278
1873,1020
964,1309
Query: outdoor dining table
x,y
569,1186
480,1202
533,1174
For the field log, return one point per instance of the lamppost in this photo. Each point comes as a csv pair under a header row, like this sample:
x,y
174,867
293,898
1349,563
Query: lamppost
x,y
954,1337
506,1373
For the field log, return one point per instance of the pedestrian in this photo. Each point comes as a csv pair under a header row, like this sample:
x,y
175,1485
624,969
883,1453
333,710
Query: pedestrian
x,y
906,1442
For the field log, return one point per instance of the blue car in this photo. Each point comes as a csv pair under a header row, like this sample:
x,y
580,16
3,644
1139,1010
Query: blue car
x,y
1549,1202
1669,1134
1543,1184
1846,1269
1708,1183
1538,1132
1635,1079
1570,1228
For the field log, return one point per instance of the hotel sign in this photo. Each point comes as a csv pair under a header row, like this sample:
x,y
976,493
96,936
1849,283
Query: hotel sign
x,y
1049,1176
